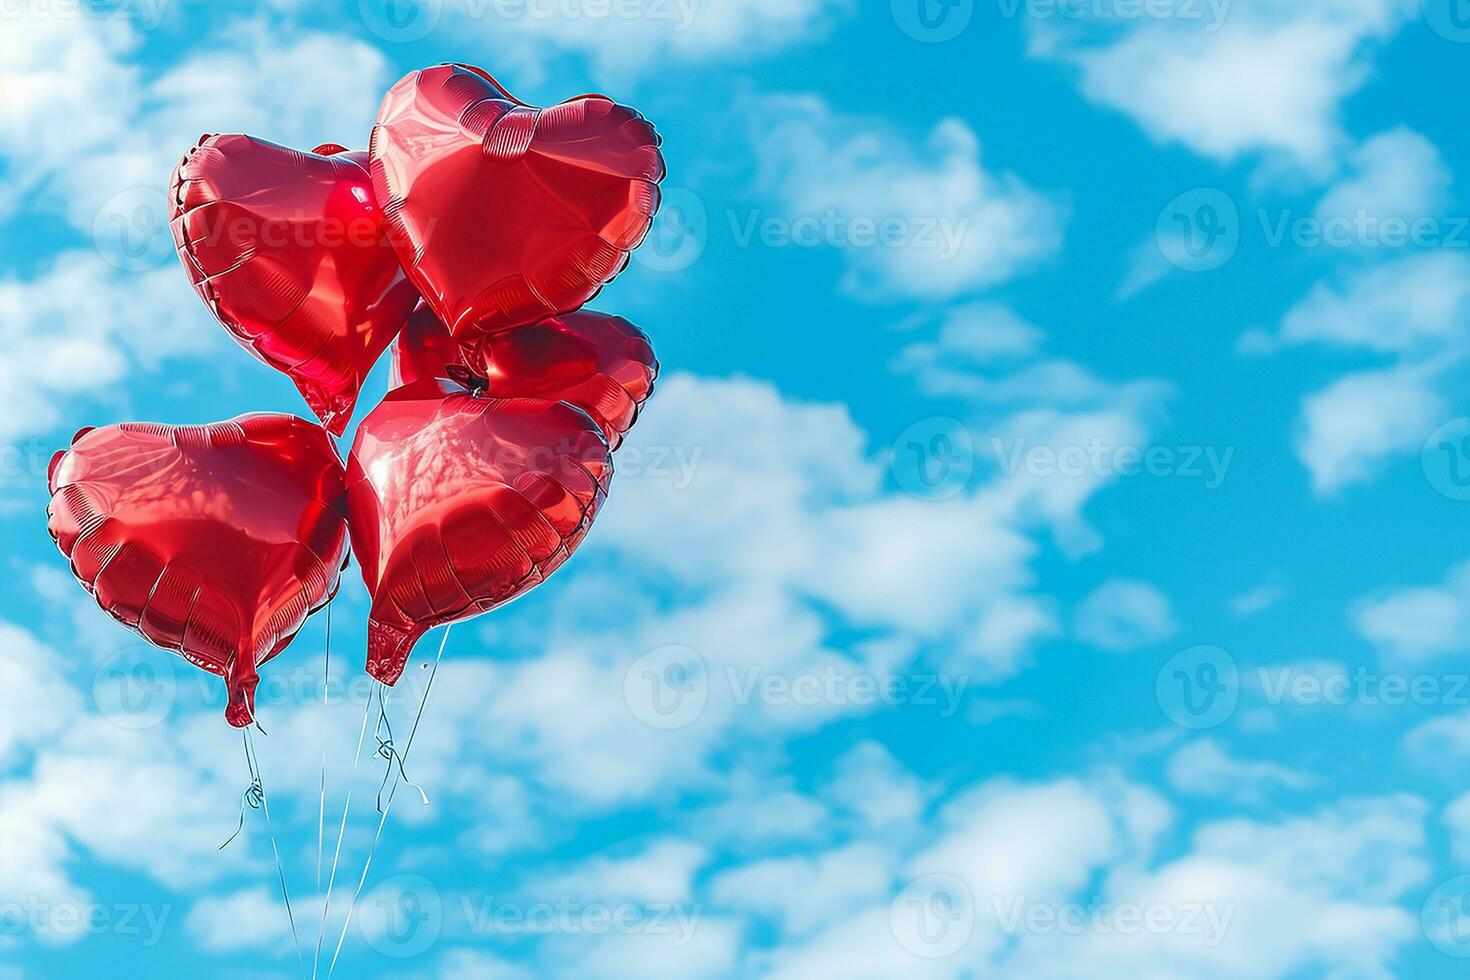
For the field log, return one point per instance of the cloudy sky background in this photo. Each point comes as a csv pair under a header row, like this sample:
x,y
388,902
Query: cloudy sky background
x,y
1043,556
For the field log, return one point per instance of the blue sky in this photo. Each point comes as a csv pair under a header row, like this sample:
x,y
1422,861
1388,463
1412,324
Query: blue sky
x,y
1042,556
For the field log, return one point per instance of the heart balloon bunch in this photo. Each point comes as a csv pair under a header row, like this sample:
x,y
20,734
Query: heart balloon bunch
x,y
469,235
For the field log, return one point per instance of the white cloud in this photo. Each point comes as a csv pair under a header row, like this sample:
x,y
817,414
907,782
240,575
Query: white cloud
x,y
1415,310
708,952
633,40
474,964
1205,768
78,329
1332,848
1440,745
126,129
758,816
971,335
985,353
254,919
1225,80
1418,623
1456,818
663,872
870,782
1124,615
803,893
1414,305
35,700
1246,900
1257,600
69,90
945,226
87,132
1315,895
1350,429
1395,175
777,529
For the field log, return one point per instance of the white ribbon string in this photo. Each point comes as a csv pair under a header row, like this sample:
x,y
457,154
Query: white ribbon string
x,y
388,807
252,761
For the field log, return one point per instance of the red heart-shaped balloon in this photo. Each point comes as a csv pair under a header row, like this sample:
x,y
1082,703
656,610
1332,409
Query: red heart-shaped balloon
x,y
504,213
288,249
215,541
602,364
458,504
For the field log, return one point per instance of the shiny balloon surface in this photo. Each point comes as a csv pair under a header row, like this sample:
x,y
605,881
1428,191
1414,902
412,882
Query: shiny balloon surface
x,y
288,250
504,213
602,364
458,504
214,541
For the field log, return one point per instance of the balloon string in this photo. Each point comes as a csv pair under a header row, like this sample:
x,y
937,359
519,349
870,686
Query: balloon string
x,y
383,819
253,796
321,812
341,832
253,762
388,753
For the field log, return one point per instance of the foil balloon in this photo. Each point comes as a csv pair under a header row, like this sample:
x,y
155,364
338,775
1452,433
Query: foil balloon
x,y
424,351
459,503
288,250
504,213
214,541
602,364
